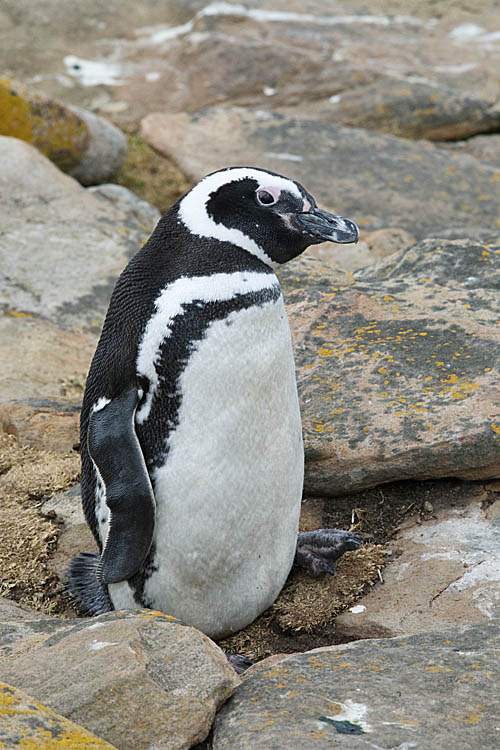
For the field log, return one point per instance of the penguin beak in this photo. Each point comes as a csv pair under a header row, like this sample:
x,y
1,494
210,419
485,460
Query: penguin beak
x,y
321,226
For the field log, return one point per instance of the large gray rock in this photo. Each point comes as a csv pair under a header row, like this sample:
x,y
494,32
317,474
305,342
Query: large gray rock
x,y
83,241
436,690
138,680
377,180
397,372
61,249
105,153
40,360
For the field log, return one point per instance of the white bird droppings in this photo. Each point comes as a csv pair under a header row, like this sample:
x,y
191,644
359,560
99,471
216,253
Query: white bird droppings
x,y
466,31
96,625
94,72
283,156
99,645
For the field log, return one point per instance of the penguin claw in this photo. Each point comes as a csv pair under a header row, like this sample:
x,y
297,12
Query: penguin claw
x,y
318,551
238,662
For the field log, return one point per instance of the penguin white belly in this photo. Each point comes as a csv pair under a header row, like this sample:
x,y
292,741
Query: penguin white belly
x,y
228,497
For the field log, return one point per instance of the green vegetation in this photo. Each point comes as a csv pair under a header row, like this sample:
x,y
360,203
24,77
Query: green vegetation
x,y
152,177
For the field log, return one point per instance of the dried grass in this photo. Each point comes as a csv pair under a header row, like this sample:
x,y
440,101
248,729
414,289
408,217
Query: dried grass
x,y
28,476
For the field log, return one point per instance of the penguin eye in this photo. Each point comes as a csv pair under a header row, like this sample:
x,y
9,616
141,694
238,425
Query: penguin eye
x,y
266,197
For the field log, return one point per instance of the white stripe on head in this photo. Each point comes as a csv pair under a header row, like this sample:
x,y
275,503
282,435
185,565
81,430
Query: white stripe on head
x,y
170,302
193,207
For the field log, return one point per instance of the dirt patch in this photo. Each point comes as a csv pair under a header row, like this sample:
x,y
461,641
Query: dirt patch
x,y
27,477
149,175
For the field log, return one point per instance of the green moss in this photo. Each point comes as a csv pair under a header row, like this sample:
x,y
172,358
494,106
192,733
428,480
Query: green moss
x,y
152,177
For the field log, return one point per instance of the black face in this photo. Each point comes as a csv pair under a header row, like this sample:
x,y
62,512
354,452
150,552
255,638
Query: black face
x,y
278,220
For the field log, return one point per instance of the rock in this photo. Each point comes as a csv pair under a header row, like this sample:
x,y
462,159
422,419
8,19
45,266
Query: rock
x,y
397,372
381,693
443,571
128,202
137,680
377,180
27,723
42,361
372,246
42,424
106,151
412,110
84,241
10,612
90,148
486,148
75,535
384,242
129,59
67,506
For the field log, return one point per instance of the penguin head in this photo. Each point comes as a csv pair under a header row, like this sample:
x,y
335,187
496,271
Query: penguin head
x,y
271,216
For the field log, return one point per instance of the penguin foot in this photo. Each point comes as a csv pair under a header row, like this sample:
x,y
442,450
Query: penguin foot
x,y
81,579
238,662
318,551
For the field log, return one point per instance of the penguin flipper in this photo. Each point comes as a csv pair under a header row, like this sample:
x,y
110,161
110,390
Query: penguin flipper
x,y
115,450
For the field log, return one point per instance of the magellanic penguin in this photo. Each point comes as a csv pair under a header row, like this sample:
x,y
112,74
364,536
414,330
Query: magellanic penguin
x,y
191,441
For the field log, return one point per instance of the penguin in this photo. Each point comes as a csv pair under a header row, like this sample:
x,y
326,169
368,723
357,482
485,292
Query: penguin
x,y
191,438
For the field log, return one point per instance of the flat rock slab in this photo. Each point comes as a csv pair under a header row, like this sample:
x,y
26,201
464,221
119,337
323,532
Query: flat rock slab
x,y
27,723
42,423
40,360
436,690
397,372
376,180
444,571
138,680
412,110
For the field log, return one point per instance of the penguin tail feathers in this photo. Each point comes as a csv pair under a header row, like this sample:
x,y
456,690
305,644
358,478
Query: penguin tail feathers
x,y
81,579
